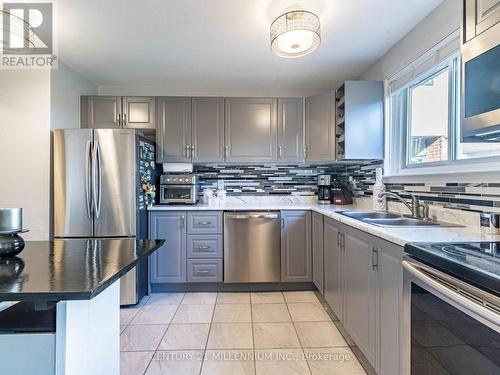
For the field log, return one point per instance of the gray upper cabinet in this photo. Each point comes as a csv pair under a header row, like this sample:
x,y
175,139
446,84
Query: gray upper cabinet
x,y
109,112
290,130
139,112
480,15
207,130
168,264
320,128
333,269
360,120
296,252
173,135
317,251
251,130
101,112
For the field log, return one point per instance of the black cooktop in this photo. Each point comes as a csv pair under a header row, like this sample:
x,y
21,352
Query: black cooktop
x,y
477,262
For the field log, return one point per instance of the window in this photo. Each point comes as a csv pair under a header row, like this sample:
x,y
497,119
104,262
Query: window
x,y
424,116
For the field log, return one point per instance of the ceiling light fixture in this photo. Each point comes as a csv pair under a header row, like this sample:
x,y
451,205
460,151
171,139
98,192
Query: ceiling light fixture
x,y
295,33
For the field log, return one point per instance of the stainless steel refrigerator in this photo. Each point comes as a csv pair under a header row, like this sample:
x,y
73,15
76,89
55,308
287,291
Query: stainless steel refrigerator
x,y
97,191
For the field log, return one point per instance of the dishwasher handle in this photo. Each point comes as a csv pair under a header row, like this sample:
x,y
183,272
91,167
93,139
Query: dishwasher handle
x,y
253,216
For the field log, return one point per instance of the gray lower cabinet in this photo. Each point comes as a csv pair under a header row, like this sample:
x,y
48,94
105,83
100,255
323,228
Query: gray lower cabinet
x,y
290,130
207,128
204,270
317,251
390,296
360,290
333,268
173,135
251,130
208,222
296,252
168,264
204,246
320,127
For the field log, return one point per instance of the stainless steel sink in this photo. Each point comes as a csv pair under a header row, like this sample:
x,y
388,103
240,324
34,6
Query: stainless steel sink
x,y
370,215
387,219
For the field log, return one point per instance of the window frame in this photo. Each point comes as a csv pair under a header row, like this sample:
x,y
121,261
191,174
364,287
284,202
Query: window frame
x,y
396,164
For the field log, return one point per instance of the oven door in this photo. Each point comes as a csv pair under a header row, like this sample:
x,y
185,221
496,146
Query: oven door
x,y
177,194
449,327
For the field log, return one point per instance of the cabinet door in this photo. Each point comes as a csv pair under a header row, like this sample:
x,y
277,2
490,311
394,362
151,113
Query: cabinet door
x,y
334,285
390,291
139,112
360,290
320,127
296,254
208,129
317,250
480,15
101,112
173,136
168,264
251,131
290,130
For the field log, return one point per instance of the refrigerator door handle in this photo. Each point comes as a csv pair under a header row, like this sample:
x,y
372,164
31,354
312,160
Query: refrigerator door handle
x,y
88,187
96,182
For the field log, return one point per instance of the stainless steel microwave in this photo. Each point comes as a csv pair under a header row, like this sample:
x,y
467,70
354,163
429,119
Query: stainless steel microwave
x,y
481,87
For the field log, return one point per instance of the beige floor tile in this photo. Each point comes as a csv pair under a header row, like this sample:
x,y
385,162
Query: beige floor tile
x,y
199,299
232,313
143,337
275,336
333,361
230,336
176,363
270,313
319,335
308,312
185,336
165,298
233,297
267,297
280,362
300,296
193,314
134,363
127,314
155,314
228,362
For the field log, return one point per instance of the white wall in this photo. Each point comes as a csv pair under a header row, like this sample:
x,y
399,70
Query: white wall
x,y
24,147
443,21
66,88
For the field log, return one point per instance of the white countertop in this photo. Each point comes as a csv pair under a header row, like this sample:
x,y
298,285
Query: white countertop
x,y
399,236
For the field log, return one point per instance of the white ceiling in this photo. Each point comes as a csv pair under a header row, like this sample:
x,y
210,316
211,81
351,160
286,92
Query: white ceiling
x,y
225,43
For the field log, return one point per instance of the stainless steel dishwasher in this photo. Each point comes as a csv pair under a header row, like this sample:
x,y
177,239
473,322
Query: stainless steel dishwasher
x,y
252,247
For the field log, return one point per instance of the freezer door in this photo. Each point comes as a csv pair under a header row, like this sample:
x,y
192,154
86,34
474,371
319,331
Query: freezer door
x,y
72,184
114,179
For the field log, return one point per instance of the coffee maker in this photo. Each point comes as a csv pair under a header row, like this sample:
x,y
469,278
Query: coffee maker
x,y
324,189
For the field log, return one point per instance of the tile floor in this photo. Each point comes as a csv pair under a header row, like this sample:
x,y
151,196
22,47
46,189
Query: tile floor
x,y
233,333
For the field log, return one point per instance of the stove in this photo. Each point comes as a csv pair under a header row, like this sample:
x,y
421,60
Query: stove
x,y
477,263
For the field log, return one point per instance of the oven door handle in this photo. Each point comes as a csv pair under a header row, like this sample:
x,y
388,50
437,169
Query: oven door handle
x,y
466,303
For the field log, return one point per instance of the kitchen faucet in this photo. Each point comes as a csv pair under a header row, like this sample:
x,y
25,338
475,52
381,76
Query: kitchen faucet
x,y
415,207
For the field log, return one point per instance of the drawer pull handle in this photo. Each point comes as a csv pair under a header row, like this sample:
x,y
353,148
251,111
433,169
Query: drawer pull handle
x,y
204,223
203,247
203,271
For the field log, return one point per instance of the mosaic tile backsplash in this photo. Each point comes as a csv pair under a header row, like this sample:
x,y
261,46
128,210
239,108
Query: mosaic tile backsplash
x,y
478,197
265,179
301,179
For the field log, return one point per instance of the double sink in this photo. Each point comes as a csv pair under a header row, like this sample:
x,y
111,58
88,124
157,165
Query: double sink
x,y
391,220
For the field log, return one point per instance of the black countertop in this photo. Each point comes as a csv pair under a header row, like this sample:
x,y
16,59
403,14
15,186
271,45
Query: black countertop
x,y
70,269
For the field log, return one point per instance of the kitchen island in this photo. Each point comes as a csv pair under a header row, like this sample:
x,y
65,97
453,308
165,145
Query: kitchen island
x,y
60,305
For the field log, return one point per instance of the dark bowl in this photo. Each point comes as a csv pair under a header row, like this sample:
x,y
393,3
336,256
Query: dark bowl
x,y
10,245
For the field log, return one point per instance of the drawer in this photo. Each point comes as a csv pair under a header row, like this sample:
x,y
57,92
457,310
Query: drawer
x,y
204,246
209,222
204,270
